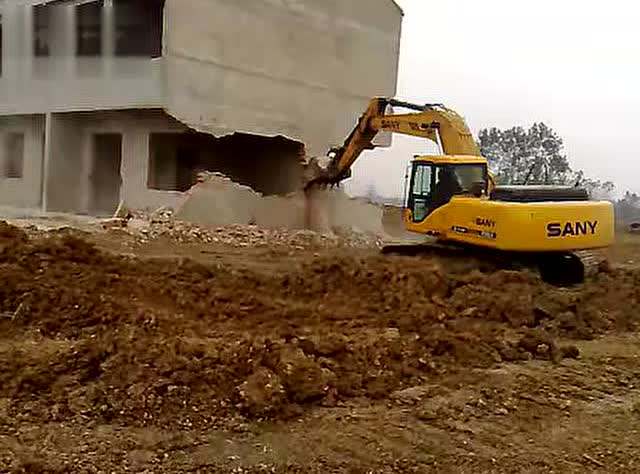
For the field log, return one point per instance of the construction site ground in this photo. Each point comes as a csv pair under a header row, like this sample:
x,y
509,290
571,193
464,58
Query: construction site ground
x,y
240,350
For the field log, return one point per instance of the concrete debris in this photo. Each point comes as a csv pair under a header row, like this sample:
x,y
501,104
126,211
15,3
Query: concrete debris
x,y
162,215
218,201
162,224
219,211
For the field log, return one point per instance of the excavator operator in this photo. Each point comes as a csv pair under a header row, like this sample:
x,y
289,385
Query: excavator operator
x,y
446,187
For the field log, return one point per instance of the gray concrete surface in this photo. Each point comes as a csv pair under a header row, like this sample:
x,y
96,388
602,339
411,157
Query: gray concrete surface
x,y
63,82
302,69
71,174
26,191
305,69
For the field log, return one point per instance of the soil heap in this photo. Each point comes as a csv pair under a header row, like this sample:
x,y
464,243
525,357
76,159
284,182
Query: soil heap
x,y
172,342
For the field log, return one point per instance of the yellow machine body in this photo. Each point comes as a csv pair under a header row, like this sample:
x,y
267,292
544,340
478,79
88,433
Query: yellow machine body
x,y
547,226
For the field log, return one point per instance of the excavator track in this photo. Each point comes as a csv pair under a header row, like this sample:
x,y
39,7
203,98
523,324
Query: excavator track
x,y
593,261
555,268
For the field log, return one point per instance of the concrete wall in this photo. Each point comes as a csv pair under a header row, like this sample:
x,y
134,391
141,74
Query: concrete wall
x,y
305,69
64,82
26,191
64,164
70,161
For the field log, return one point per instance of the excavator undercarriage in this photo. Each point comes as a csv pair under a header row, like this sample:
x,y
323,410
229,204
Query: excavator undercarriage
x,y
556,268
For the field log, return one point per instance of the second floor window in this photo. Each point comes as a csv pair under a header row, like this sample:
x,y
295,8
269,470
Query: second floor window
x,y
138,25
41,42
137,28
89,29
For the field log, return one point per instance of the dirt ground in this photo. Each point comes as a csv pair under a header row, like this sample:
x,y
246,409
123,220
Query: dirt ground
x,y
122,355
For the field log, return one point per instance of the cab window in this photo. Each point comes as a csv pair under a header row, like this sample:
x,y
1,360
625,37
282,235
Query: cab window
x,y
420,194
433,186
470,175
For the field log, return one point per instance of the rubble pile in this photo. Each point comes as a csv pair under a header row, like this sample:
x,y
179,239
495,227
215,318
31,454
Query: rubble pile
x,y
162,224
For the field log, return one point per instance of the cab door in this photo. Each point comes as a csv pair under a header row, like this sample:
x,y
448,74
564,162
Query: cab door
x,y
420,196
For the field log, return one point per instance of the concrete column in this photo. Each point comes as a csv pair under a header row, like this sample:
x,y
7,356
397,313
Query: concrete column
x,y
108,36
134,166
3,155
86,163
27,41
316,210
63,39
11,43
46,161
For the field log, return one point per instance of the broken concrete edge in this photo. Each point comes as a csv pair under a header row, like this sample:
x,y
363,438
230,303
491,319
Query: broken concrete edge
x,y
222,131
310,163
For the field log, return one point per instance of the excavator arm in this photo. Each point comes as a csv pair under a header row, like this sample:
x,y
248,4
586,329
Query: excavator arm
x,y
431,121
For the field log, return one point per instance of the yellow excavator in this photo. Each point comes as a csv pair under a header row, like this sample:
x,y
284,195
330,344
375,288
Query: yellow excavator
x,y
453,200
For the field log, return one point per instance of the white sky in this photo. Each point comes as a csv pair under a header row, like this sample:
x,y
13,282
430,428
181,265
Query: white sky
x,y
574,64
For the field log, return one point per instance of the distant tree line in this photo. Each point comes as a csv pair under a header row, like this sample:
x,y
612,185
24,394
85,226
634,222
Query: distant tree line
x,y
536,156
628,208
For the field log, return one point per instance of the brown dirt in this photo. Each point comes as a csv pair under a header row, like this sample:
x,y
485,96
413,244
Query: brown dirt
x,y
191,352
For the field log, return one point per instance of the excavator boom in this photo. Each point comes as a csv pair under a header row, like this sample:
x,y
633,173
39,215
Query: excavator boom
x,y
434,122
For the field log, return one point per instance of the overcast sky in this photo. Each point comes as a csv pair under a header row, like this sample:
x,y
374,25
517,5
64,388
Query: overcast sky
x,y
574,64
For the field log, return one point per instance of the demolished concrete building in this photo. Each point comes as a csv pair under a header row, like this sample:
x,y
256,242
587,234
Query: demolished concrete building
x,y
110,100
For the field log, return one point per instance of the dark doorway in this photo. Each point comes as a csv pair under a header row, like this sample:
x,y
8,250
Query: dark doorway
x,y
105,178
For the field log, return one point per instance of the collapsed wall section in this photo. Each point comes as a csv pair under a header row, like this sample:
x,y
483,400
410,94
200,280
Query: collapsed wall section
x,y
218,201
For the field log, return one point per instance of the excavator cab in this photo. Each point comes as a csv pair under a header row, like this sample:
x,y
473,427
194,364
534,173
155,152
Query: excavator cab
x,y
434,181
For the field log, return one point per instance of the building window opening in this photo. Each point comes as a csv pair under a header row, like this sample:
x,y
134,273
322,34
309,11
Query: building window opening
x,y
172,162
138,28
89,29
41,25
13,162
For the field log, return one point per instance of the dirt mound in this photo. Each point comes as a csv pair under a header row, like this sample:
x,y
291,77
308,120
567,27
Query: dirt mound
x,y
9,233
106,337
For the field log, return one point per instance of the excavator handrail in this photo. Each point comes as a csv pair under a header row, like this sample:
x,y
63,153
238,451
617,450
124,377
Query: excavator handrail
x,y
411,106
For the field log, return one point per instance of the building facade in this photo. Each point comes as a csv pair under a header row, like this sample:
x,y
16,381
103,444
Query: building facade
x,y
110,100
